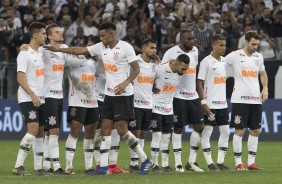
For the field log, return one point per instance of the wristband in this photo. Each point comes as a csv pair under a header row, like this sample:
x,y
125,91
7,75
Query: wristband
x,y
203,102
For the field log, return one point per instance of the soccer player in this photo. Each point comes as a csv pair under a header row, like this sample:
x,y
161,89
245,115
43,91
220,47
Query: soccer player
x,y
53,92
30,76
186,103
168,76
83,109
143,102
118,58
247,66
212,75
100,94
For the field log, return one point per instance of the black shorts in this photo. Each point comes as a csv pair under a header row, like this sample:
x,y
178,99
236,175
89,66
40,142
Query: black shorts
x,y
33,114
54,110
86,116
100,107
219,117
246,116
118,108
161,123
142,119
187,112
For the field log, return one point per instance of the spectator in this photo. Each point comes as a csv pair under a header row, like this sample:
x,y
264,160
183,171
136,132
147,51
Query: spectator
x,y
267,45
133,39
120,23
69,29
202,35
183,26
241,42
168,41
80,40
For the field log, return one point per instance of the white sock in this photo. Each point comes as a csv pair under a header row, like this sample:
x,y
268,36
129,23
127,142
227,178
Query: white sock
x,y
155,147
195,139
97,144
223,143
252,149
104,150
237,148
142,142
113,153
38,152
54,151
25,145
88,147
177,148
134,157
70,151
130,139
164,146
205,142
46,153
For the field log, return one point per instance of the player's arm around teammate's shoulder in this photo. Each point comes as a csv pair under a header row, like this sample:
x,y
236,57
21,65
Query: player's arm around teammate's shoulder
x,y
70,50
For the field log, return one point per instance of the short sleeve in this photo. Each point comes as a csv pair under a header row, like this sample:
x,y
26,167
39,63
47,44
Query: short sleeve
x,y
203,69
22,61
130,53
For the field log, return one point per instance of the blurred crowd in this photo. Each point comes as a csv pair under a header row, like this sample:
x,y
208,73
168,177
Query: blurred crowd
x,y
161,20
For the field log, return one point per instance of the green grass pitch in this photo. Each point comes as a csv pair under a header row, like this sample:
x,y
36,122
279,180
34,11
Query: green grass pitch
x,y
268,157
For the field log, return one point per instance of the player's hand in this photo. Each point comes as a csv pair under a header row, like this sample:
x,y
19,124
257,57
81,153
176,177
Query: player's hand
x,y
157,59
156,90
51,48
24,47
264,94
119,89
35,100
206,109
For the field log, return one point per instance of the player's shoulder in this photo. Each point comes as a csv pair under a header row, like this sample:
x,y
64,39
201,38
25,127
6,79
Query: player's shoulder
x,y
234,54
258,55
64,46
194,49
123,44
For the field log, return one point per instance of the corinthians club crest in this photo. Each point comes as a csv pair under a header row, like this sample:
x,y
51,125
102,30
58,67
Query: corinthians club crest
x,y
52,120
132,123
32,115
153,123
73,112
115,55
237,119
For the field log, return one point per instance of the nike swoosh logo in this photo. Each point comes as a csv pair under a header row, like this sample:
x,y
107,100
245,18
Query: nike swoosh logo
x,y
81,65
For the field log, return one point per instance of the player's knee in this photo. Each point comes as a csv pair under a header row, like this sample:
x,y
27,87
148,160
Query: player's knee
x,y
178,129
33,132
198,128
122,130
75,133
54,131
255,132
143,134
240,132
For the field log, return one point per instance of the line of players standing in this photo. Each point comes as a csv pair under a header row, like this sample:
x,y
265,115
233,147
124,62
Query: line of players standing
x,y
163,97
